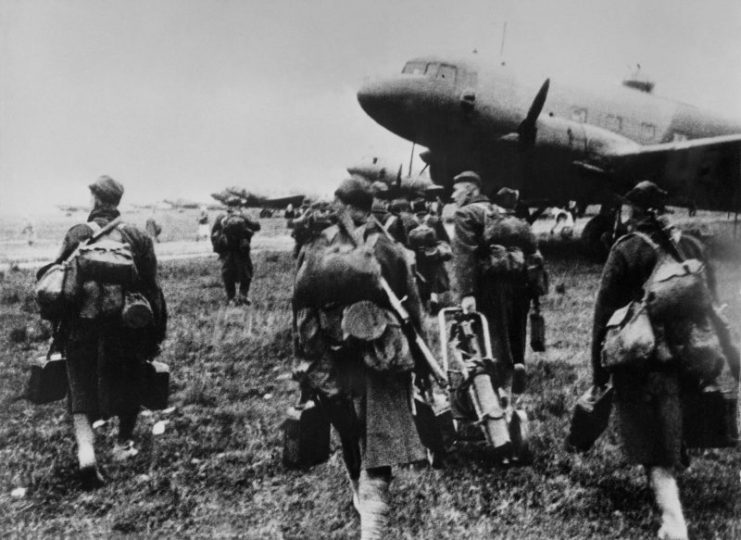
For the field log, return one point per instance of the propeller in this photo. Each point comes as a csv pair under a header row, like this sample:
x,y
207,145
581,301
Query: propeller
x,y
527,129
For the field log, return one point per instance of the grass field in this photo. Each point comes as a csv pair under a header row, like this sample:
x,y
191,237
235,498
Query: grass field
x,y
216,470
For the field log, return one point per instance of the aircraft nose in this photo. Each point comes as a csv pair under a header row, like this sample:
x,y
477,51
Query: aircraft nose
x,y
371,97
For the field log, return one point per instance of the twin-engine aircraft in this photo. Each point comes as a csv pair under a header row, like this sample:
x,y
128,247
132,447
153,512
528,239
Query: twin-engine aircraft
x,y
557,143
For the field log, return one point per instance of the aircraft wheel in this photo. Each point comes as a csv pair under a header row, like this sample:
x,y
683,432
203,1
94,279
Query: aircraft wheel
x,y
592,236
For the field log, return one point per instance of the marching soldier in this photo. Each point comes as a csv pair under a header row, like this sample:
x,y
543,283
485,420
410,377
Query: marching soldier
x,y
231,237
359,364
490,251
105,359
652,398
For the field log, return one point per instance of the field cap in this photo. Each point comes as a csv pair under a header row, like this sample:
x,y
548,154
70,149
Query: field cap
x,y
107,190
355,192
468,176
647,195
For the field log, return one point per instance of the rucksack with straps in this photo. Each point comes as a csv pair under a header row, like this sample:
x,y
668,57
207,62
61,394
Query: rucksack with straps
x,y
337,274
506,241
92,280
669,323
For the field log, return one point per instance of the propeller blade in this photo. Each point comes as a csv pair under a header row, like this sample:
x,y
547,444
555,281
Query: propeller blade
x,y
537,107
527,129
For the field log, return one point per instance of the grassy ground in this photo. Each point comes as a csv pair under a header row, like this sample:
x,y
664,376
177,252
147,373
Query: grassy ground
x,y
216,471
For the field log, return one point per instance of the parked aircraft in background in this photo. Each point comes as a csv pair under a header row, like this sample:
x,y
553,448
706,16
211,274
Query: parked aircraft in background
x,y
252,200
555,142
377,170
70,209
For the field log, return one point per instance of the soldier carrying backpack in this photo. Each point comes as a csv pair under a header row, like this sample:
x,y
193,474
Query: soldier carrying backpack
x,y
110,318
499,271
231,237
668,351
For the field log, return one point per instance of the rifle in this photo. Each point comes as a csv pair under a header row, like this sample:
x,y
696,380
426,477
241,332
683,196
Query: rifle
x,y
399,310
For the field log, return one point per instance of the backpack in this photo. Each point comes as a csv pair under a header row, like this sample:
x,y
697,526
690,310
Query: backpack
x,y
337,274
235,227
59,288
671,322
506,240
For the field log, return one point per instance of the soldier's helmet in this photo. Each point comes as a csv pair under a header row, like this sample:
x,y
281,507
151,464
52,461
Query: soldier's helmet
x,y
107,190
468,176
232,201
648,196
355,192
507,198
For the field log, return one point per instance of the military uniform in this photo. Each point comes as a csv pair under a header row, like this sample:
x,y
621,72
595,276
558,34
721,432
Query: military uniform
x,y
648,401
105,361
359,360
504,301
370,409
234,249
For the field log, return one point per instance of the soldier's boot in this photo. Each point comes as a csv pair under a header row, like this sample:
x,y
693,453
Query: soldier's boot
x,y
673,526
374,507
89,474
355,487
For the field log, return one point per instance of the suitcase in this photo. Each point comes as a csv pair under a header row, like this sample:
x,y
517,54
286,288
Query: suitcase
x,y
48,379
591,415
537,332
305,436
711,417
157,386
435,428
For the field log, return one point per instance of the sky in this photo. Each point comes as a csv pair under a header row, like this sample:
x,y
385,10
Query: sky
x,y
180,98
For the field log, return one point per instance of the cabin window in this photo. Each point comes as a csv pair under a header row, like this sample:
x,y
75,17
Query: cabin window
x,y
614,122
678,137
579,114
447,73
431,70
414,68
648,131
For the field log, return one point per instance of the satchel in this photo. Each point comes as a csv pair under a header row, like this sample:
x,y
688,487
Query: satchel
x,y
50,292
630,339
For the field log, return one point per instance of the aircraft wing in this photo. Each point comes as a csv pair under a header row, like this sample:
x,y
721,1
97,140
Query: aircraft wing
x,y
282,202
705,172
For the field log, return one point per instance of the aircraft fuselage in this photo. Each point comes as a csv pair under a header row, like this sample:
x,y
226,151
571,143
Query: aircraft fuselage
x,y
464,114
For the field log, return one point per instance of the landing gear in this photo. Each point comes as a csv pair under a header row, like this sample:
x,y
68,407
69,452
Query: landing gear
x,y
595,232
600,233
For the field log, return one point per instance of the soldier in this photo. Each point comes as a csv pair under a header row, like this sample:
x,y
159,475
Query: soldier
x,y
490,266
649,399
153,228
203,229
351,341
431,253
105,360
231,236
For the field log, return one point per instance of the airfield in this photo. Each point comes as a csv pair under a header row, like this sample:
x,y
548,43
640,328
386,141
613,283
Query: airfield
x,y
215,470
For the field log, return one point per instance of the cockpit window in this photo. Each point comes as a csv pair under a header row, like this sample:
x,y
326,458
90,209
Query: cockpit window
x,y
415,68
446,73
